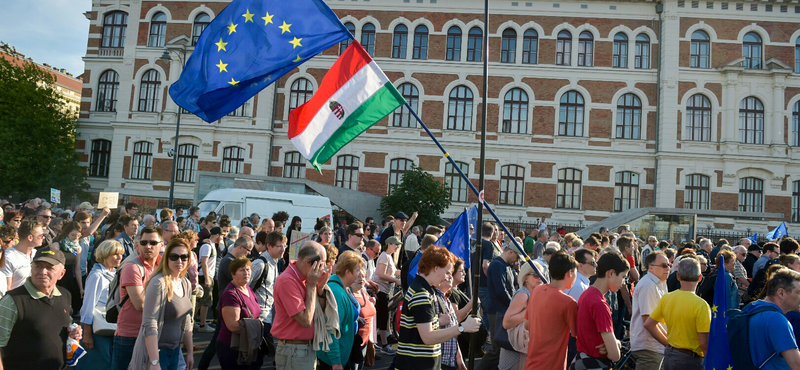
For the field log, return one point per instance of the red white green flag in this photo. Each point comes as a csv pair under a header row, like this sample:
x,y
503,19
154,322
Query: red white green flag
x,y
353,96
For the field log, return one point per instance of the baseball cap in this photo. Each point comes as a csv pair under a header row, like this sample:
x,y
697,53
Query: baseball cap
x,y
86,206
753,247
216,231
510,246
401,215
50,256
393,240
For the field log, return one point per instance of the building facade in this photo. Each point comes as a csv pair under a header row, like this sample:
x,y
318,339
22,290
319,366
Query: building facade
x,y
576,128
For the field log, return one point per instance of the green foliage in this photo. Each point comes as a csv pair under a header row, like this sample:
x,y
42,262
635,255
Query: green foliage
x,y
418,192
37,136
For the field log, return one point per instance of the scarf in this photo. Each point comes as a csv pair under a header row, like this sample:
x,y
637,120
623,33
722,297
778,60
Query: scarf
x,y
70,246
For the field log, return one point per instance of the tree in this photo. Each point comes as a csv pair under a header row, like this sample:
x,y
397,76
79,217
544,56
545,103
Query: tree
x,y
418,192
37,136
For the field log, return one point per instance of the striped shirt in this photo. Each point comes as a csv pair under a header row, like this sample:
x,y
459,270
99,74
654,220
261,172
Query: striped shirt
x,y
418,308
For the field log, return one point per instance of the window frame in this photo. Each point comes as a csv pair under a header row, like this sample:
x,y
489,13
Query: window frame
x,y
400,41
298,93
508,48
751,121
397,168
149,89
460,104
626,191
751,194
577,108
530,47
702,113
453,51
107,89
641,59
198,27
566,188
796,124
512,186
294,166
753,51
796,201
157,35
629,117
419,50
187,163
142,160
368,38
619,57
402,117
515,111
114,29
350,168
474,44
346,42
564,48
100,158
233,159
586,49
697,192
451,176
700,50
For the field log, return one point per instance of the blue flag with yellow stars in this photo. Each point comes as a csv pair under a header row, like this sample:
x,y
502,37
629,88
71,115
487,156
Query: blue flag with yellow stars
x,y
456,237
248,46
718,356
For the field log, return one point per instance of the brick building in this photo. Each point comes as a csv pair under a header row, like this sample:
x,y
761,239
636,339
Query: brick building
x,y
575,128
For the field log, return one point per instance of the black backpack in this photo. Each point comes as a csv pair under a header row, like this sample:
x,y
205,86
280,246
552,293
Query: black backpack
x,y
263,276
739,335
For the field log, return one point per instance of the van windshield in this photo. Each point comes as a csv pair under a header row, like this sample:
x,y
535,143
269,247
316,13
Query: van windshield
x,y
207,206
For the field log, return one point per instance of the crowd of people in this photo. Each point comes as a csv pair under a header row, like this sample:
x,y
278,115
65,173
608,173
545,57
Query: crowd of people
x,y
132,289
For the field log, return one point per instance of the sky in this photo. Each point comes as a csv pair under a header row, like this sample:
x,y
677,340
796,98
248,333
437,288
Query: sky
x,y
49,31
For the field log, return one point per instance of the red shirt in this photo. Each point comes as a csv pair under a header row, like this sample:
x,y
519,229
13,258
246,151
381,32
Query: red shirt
x,y
130,320
594,317
290,299
632,264
551,316
367,313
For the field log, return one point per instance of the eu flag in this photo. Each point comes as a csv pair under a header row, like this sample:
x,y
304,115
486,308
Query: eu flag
x,y
248,46
778,233
718,356
456,238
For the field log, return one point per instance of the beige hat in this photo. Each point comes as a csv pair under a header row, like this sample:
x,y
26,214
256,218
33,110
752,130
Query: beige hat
x,y
86,206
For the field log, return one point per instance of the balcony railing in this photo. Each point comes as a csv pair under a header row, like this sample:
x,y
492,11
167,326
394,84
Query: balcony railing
x,y
111,52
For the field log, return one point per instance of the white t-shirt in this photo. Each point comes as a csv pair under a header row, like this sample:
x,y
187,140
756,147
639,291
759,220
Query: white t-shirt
x,y
386,259
18,267
649,291
207,250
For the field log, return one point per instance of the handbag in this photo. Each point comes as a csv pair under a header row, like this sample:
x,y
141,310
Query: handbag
x,y
101,326
500,334
369,358
264,349
518,337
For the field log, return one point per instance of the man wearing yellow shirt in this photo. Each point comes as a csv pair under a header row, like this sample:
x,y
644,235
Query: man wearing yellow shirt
x,y
688,319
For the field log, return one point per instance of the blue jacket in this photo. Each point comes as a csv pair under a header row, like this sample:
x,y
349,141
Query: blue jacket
x,y
500,280
341,347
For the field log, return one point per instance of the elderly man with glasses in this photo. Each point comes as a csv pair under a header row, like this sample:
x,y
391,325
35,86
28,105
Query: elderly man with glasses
x,y
647,351
739,272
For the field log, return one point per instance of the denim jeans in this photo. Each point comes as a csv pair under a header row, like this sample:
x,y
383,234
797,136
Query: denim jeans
x,y
123,350
99,357
168,358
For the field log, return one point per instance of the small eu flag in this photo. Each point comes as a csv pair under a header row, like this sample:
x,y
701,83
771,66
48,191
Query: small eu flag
x,y
778,233
248,46
718,356
456,238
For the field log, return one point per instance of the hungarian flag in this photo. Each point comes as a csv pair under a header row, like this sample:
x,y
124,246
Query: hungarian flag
x,y
353,96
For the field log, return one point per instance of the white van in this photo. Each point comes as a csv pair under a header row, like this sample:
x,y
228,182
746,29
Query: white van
x,y
240,203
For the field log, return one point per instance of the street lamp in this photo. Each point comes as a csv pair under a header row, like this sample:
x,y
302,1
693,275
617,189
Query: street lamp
x,y
166,58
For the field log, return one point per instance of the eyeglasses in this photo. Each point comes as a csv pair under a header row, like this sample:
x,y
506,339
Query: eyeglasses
x,y
144,243
663,265
40,236
6,241
16,219
48,217
591,262
359,235
174,257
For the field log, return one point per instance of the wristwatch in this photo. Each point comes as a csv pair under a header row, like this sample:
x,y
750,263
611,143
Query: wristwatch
x,y
460,328
154,362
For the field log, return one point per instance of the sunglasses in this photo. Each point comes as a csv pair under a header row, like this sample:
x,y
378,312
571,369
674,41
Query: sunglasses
x,y
663,265
49,217
592,262
144,243
359,235
16,219
7,241
174,257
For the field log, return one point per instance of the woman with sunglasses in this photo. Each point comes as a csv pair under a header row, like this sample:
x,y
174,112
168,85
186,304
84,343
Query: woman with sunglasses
x,y
68,241
13,219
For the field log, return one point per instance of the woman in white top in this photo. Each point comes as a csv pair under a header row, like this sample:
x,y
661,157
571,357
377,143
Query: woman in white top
x,y
386,273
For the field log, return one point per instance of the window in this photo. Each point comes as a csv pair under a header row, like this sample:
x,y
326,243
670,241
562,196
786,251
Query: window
x,y
100,158
158,30
620,53
300,92
563,48
142,162
698,118
400,42
368,38
751,194
459,113
697,192
796,124
796,201
642,56
515,112
398,167
570,114
508,51
201,21
294,167
626,191
512,184
797,56
456,183
242,111
346,42
751,121
700,50
751,51
107,91
420,50
474,44
148,91
530,47
402,117
347,172
586,49
114,26
568,193
187,163
629,117
233,159
453,44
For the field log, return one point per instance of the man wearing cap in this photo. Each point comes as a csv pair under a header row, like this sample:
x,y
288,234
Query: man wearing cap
x,y
207,269
500,282
35,318
753,254
399,228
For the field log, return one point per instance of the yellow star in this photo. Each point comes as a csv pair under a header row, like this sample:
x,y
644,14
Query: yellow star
x,y
222,66
713,308
285,27
297,59
730,367
233,82
295,42
221,44
232,28
248,17
267,19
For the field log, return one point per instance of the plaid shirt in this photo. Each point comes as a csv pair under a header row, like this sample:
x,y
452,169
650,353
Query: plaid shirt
x,y
449,347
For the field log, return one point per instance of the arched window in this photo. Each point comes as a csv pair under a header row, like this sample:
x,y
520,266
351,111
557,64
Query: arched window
x,y
620,52
796,201
294,166
233,159
107,91
420,50
564,48
453,43
751,194
100,158
751,51
698,118
515,112
697,194
797,56
142,163
586,49
187,163
474,44
114,26
400,42
201,21
347,171
508,50
570,114
149,90
368,38
626,191
402,117
300,92
568,193
456,183
346,42
512,184
796,124
398,167
642,56
530,47
700,50
158,30
459,112
629,117
751,121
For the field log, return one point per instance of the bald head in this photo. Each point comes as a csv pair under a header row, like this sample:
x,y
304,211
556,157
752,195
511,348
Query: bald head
x,y
308,252
247,230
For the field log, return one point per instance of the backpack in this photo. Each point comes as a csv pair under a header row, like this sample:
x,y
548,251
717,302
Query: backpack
x,y
263,276
739,335
113,304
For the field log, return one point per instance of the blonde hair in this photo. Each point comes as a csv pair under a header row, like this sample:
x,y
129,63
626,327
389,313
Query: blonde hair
x,y
163,268
349,261
107,249
526,270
